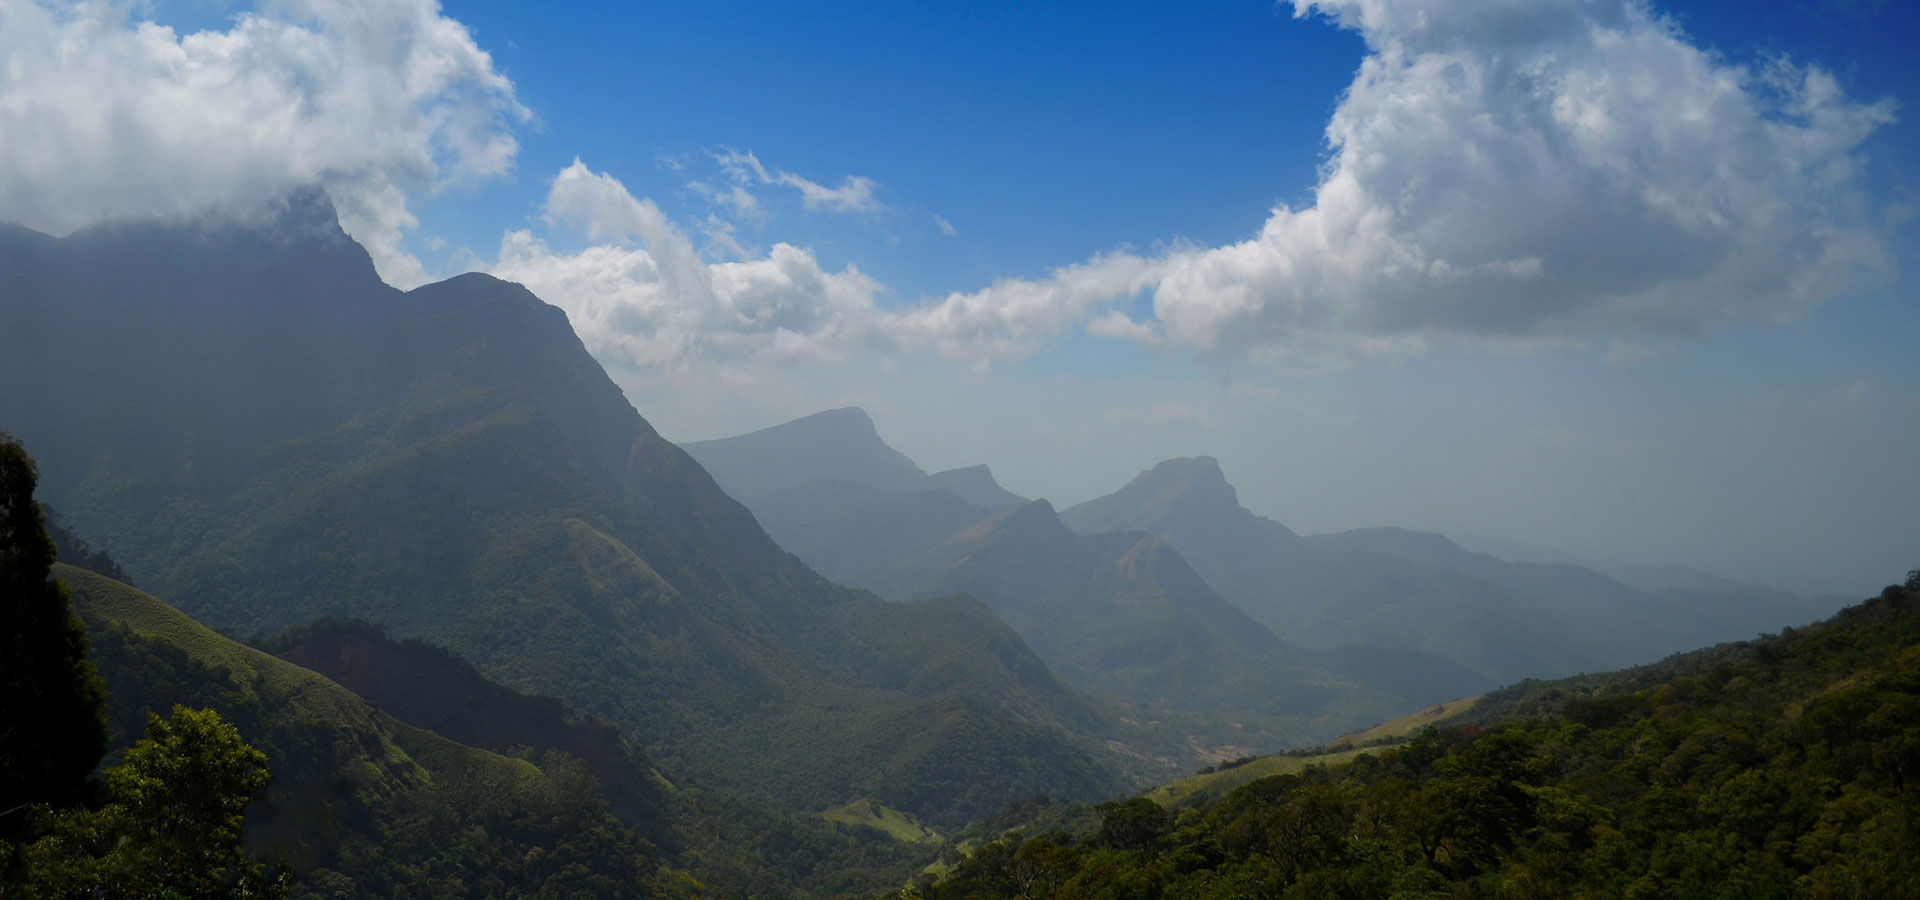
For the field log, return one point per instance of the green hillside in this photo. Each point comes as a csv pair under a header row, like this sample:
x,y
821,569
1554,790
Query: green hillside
x,y
891,822
360,802
1780,767
450,464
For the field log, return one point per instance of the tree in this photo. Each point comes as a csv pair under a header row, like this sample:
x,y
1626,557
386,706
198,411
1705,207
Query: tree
x,y
171,825
53,721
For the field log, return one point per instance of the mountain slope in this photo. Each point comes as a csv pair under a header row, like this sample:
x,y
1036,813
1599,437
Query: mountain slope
x,y
1125,616
253,423
1121,615
1374,591
1780,767
840,444
359,802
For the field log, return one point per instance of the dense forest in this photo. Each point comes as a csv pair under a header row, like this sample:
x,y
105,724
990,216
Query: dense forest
x,y
1780,767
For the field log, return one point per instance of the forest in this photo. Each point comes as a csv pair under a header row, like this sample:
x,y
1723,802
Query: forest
x,y
1775,768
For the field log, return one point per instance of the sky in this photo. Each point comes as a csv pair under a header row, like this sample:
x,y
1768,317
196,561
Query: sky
x,y
1628,280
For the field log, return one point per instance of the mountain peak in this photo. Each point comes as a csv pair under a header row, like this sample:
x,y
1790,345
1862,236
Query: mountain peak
x,y
1186,500
1032,529
839,444
975,484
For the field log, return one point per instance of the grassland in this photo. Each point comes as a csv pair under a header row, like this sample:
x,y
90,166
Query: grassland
x,y
868,814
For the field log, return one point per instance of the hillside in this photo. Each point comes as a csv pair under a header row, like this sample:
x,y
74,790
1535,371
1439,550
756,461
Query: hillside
x,y
840,446
1119,615
256,425
1385,589
360,801
1778,767
1123,615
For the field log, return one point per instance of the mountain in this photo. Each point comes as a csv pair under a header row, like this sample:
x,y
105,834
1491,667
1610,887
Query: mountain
x,y
253,423
1121,615
1778,767
838,445
361,803
1374,591
853,533
975,485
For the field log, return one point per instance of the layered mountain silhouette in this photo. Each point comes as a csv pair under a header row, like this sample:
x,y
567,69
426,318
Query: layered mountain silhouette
x,y
1121,614
1391,588
838,445
261,429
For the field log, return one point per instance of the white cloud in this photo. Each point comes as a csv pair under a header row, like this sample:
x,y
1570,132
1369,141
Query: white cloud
x,y
643,298
1509,175
104,115
854,195
946,227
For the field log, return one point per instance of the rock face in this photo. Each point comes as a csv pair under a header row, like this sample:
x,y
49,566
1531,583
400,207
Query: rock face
x,y
261,430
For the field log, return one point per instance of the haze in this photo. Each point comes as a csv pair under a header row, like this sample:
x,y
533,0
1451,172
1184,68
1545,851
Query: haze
x,y
1620,281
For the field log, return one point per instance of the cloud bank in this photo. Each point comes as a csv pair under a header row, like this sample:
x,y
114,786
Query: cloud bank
x,y
106,116
1500,175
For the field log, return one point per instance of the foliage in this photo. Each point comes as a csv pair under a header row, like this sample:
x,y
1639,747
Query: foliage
x,y
1783,767
171,824
54,728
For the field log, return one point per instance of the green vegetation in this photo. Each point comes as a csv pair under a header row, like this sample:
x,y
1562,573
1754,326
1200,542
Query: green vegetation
x,y
451,465
891,822
55,727
362,803
1781,767
170,825
1204,786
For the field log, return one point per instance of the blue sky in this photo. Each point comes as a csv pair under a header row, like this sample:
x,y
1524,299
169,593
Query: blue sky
x,y
1629,280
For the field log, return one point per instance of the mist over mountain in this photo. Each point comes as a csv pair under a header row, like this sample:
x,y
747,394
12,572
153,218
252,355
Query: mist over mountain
x,y
1396,588
1121,614
260,428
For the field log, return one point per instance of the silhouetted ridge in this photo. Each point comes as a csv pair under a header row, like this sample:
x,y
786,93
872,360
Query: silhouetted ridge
x,y
1188,501
839,444
975,484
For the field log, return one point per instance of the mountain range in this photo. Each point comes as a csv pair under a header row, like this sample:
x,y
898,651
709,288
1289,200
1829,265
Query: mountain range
x,y
263,432
1408,614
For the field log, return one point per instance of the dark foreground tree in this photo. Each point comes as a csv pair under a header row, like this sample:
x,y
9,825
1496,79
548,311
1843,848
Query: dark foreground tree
x,y
53,722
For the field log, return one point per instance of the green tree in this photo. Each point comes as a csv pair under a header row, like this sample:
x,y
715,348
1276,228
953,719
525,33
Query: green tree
x,y
53,721
171,825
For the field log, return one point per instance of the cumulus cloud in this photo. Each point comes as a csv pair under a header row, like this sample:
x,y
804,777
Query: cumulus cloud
x,y
641,296
104,115
1511,174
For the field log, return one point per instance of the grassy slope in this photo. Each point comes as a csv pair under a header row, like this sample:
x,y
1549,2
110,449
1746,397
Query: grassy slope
x,y
1208,785
397,756
868,814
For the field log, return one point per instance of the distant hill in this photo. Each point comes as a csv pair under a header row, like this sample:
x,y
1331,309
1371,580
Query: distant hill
x,y
253,423
359,801
839,445
1384,589
1776,767
1122,615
